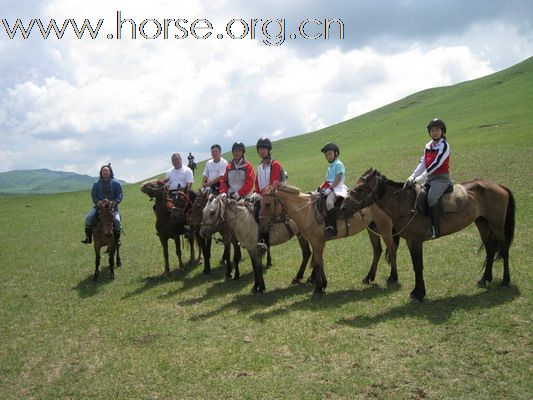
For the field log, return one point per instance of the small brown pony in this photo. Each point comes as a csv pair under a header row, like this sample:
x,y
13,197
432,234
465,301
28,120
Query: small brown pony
x,y
300,207
167,226
490,206
103,235
194,221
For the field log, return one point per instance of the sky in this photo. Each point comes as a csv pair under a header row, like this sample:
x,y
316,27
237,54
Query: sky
x,y
200,72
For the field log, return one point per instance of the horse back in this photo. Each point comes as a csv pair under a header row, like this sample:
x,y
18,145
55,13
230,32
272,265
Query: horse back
x,y
489,197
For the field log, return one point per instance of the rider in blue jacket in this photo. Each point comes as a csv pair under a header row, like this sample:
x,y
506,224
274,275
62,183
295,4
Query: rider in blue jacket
x,y
105,188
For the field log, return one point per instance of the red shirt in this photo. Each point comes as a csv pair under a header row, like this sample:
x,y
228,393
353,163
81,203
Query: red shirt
x,y
275,175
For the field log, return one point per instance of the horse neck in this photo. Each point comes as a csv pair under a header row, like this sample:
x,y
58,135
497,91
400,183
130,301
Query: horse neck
x,y
161,208
395,202
243,225
297,207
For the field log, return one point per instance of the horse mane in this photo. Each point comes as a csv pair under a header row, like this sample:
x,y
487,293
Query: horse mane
x,y
289,189
383,178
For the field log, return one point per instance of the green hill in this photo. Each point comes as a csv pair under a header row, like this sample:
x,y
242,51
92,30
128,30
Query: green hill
x,y
43,181
188,335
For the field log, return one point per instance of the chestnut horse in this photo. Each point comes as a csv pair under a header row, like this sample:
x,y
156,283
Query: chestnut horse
x,y
167,226
242,223
490,206
301,208
103,235
194,221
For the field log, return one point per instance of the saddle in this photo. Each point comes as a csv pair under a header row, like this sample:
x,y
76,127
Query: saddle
x,y
453,200
321,211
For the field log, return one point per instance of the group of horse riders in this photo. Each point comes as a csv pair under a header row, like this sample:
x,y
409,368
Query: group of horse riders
x,y
238,180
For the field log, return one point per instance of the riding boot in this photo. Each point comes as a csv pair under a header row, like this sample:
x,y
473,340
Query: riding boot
x,y
434,214
88,235
264,241
331,225
117,238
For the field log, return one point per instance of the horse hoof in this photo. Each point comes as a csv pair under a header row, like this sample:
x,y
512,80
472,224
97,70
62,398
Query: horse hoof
x,y
366,280
505,283
206,271
296,281
415,295
95,278
119,264
482,283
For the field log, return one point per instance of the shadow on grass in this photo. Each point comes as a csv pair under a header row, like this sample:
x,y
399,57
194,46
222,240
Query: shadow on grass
x,y
88,288
249,302
440,310
221,284
153,281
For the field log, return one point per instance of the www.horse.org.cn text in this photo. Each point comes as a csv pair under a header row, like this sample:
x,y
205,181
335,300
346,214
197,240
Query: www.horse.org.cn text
x,y
271,32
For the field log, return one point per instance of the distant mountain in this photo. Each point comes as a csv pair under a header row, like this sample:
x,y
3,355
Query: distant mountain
x,y
41,181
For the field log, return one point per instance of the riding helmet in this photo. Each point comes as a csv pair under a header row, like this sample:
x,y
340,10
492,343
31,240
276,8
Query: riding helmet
x,y
331,146
437,122
264,142
238,146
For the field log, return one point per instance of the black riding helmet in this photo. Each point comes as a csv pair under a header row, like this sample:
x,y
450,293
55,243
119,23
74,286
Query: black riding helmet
x,y
264,142
238,146
437,122
331,146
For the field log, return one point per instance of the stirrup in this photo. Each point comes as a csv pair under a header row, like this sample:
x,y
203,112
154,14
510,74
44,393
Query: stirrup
x,y
330,231
262,246
87,240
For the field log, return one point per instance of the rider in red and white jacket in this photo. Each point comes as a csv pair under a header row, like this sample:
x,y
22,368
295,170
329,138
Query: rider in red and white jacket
x,y
238,180
434,170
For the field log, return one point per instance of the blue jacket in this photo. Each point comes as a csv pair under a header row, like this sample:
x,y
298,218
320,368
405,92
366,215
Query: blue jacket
x,y
116,195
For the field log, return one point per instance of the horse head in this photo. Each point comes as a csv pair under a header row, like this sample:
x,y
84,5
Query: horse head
x,y
213,215
365,192
271,209
196,214
154,188
105,216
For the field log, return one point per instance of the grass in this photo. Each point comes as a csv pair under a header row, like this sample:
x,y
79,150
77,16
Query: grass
x,y
145,336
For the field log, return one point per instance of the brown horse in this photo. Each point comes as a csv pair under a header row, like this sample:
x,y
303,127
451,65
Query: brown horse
x,y
167,226
103,235
300,207
194,221
490,206
240,219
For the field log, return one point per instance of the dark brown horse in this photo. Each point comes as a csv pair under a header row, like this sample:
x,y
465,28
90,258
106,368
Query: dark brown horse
x,y
103,235
194,221
301,208
490,206
167,226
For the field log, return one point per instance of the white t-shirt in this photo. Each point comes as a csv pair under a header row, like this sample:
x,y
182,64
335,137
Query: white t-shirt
x,y
180,177
215,169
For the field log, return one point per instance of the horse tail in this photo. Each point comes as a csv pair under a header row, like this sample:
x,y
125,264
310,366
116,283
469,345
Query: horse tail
x,y
509,225
396,239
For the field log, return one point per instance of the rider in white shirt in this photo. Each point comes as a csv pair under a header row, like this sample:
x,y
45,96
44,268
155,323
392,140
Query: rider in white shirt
x,y
180,177
214,170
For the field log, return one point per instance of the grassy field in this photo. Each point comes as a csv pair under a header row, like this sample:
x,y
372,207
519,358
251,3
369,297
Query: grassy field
x,y
145,336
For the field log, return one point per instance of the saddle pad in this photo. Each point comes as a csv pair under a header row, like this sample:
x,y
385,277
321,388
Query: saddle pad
x,y
454,201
